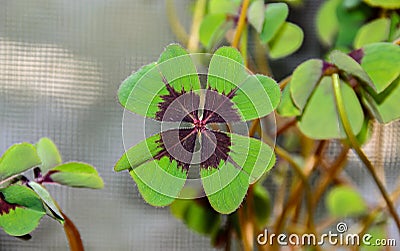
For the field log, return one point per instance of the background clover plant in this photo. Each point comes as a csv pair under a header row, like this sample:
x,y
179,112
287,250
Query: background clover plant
x,y
370,88
268,20
170,91
24,200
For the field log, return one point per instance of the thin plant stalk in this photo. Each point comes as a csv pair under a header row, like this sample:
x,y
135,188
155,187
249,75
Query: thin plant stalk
x,y
241,24
72,233
193,43
355,145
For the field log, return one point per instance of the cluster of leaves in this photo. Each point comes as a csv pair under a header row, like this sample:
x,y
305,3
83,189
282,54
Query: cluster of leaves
x,y
369,72
370,87
269,21
170,91
344,24
370,84
23,202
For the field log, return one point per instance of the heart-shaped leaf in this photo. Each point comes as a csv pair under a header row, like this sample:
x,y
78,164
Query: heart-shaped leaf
x,y
20,210
48,201
253,96
144,90
351,66
17,159
227,185
48,153
255,15
381,62
320,119
76,174
287,107
213,28
288,40
327,22
158,178
275,16
304,79
372,32
344,201
385,105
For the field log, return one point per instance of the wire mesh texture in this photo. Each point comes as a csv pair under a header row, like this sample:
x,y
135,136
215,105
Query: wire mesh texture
x,y
61,62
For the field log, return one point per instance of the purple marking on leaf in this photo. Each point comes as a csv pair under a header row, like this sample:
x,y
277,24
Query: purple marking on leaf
x,y
219,108
178,145
357,55
184,108
5,207
326,66
177,103
215,147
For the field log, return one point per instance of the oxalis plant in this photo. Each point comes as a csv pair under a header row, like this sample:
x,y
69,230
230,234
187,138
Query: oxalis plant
x,y
338,101
25,169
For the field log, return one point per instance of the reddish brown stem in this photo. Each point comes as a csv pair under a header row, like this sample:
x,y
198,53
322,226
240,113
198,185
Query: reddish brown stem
x,y
286,126
331,173
73,236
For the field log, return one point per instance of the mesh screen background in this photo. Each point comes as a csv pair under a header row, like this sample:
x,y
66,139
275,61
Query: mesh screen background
x,y
61,62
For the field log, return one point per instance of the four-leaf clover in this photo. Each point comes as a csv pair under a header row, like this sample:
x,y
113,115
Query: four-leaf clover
x,y
170,91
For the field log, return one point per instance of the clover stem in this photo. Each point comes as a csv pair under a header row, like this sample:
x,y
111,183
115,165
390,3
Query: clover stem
x,y
176,26
286,126
330,174
286,156
241,24
307,187
253,128
355,145
72,233
311,162
246,224
259,56
199,9
243,45
285,82
370,218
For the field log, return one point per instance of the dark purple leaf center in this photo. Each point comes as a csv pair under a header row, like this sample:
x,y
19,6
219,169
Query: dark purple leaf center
x,y
184,106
